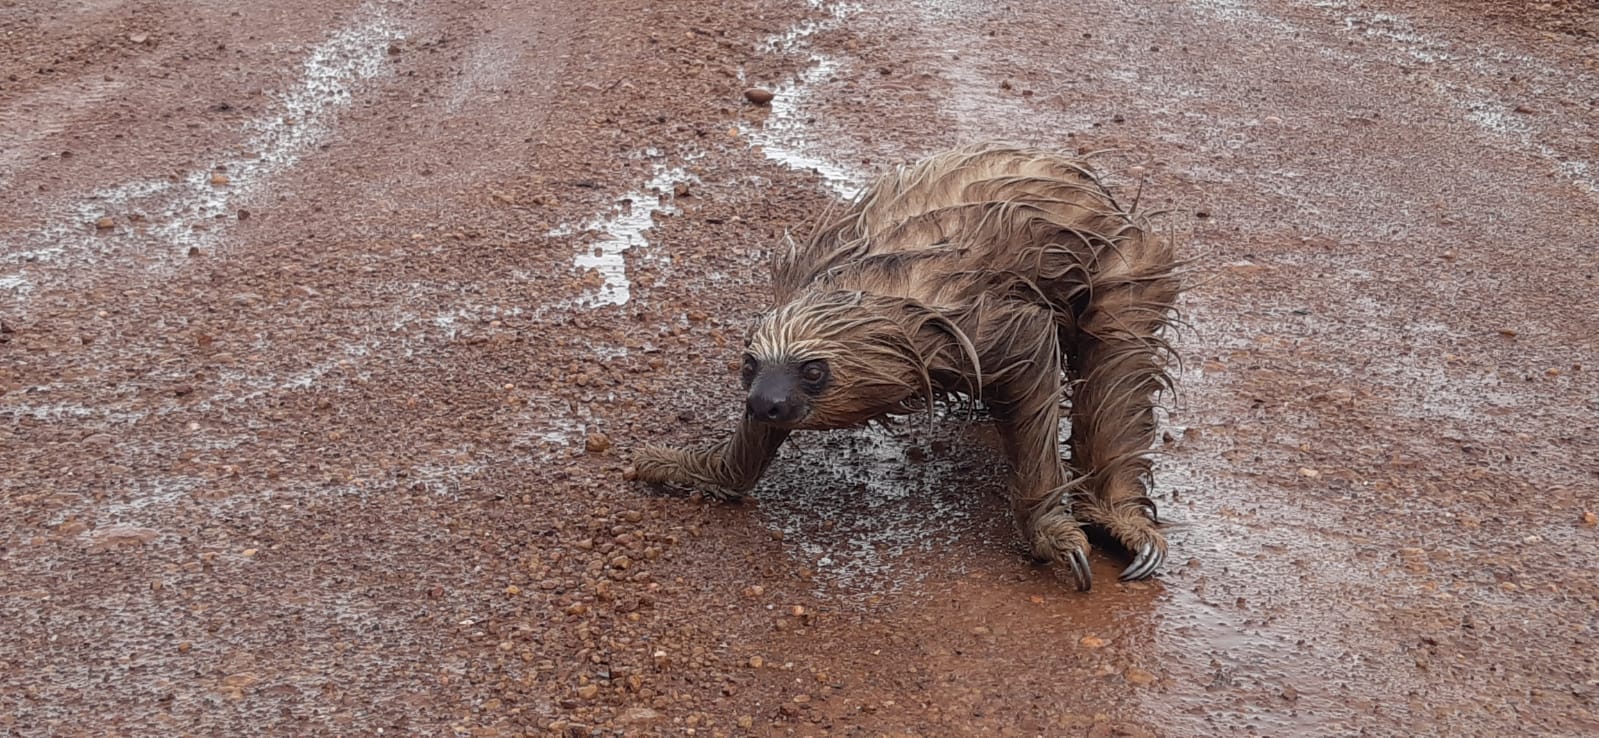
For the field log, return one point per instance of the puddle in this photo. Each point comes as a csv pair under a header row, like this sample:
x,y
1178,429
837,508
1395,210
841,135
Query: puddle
x,y
192,211
786,135
622,230
872,511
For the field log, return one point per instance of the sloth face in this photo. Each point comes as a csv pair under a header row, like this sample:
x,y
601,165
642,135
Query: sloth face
x,y
830,360
782,392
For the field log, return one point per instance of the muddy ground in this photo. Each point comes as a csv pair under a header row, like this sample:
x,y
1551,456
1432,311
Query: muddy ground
x,y
326,327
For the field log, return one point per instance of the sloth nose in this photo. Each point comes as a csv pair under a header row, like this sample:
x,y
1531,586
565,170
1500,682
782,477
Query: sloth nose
x,y
774,408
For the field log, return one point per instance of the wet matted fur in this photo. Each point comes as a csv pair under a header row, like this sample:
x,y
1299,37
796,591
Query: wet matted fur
x,y
1006,275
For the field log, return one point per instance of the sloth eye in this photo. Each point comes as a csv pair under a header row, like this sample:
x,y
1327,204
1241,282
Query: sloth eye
x,y
814,372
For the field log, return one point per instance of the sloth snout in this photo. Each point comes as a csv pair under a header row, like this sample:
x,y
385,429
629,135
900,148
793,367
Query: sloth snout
x,y
774,406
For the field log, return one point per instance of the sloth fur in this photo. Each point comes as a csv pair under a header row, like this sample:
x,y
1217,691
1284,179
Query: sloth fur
x,y
1007,276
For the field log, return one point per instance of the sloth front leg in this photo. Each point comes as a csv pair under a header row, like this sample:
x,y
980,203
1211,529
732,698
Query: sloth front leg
x,y
1026,398
726,469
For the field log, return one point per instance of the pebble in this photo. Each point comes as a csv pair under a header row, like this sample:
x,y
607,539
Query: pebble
x,y
105,223
639,716
588,691
119,535
1138,677
1092,642
1273,120
1589,519
758,95
219,179
598,443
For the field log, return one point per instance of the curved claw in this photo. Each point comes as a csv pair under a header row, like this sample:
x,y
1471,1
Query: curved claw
x,y
1149,558
1080,570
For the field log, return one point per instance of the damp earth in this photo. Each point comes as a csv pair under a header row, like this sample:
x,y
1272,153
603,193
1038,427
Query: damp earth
x,y
326,328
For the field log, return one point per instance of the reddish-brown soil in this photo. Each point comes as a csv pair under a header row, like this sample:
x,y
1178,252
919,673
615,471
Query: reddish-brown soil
x,y
310,424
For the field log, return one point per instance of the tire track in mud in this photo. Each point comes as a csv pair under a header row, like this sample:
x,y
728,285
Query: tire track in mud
x,y
158,220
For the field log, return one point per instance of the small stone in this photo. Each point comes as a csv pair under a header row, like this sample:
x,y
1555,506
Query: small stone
x,y
588,691
185,647
138,38
219,179
1272,120
757,662
1507,332
250,551
1309,473
1589,519
680,189
746,722
1138,677
598,443
1092,642
758,95
639,716
105,223
120,535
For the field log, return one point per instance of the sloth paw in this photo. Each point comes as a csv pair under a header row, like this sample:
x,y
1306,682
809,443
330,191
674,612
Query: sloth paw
x,y
670,466
1058,538
658,464
1131,526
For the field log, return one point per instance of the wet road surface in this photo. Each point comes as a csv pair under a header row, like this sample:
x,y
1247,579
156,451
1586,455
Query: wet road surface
x,y
325,330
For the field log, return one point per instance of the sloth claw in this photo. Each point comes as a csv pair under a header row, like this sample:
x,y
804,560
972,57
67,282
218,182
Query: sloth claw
x,y
1149,558
1080,570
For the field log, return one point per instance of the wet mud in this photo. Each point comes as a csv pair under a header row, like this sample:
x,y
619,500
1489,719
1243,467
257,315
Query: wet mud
x,y
326,329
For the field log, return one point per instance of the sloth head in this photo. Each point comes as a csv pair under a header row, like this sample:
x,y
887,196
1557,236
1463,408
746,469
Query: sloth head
x,y
838,359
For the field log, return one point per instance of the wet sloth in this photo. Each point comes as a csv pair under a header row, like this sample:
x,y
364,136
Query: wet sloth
x,y
1005,276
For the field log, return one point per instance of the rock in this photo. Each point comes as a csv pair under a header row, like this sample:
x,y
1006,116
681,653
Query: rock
x,y
1092,642
120,535
219,179
1138,677
758,95
105,223
138,38
597,443
639,716
233,685
1589,519
588,691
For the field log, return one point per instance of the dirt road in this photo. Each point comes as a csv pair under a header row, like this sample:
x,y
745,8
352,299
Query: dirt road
x,y
326,327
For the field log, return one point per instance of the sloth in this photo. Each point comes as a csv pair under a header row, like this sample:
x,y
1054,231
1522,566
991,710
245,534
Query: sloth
x,y
996,275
